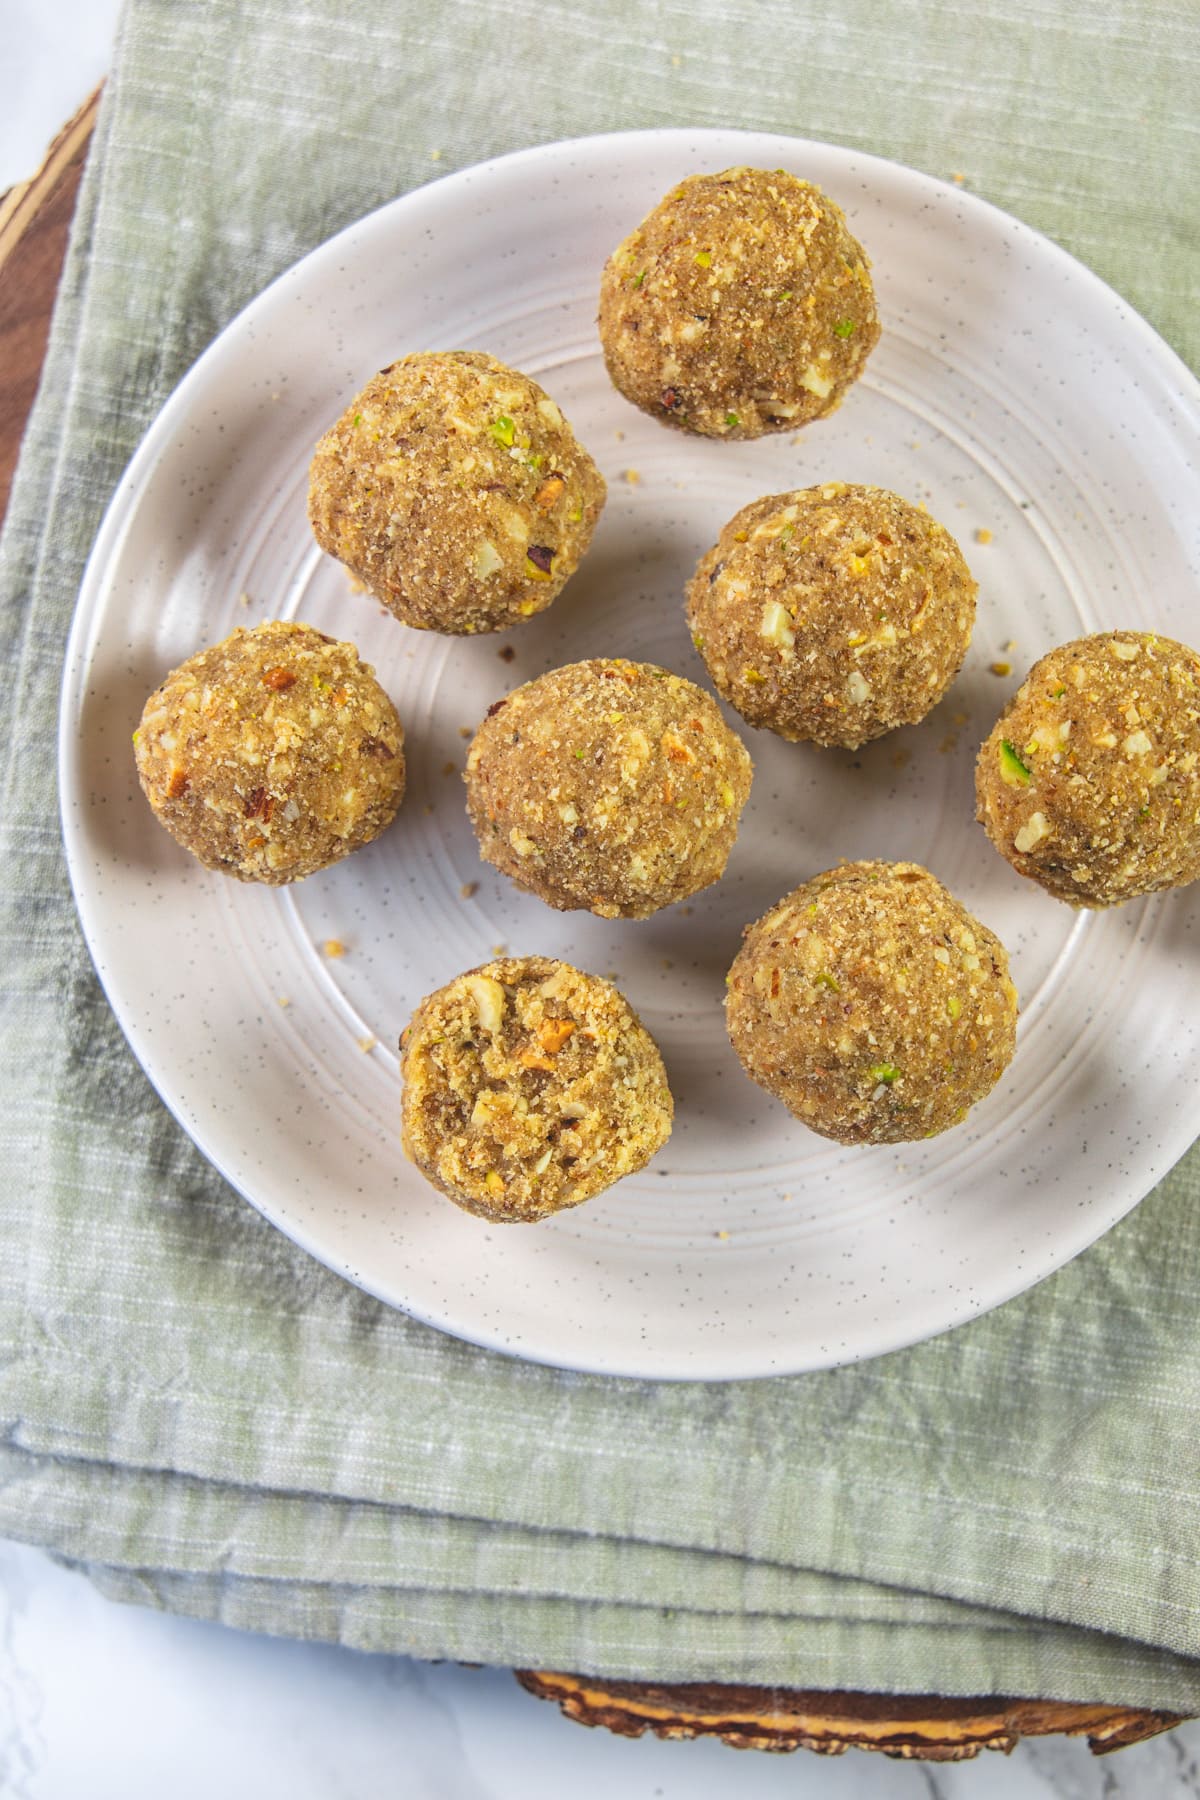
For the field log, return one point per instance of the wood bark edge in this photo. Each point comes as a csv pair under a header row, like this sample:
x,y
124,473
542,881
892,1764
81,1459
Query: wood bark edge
x,y
922,1728
20,206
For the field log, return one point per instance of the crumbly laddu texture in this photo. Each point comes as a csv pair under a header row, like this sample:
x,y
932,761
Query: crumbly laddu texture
x,y
607,785
832,614
872,1004
273,754
530,1087
455,491
1090,780
741,305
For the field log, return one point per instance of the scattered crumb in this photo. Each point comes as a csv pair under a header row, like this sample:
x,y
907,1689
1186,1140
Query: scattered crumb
x,y
950,741
435,156
1000,668
687,911
721,1234
506,653
632,476
333,948
620,436
466,731
785,1196
900,758
367,1043
957,179
983,535
799,438
283,1000
244,598
667,963
916,444
427,809
449,768
499,949
468,889
1011,645
677,62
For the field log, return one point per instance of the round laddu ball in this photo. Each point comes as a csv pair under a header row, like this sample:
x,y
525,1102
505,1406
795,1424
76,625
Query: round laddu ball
x,y
530,1087
608,785
872,1004
1090,780
273,754
740,305
455,491
832,614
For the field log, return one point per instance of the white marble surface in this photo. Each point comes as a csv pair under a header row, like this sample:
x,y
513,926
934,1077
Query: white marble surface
x,y
117,1703
55,51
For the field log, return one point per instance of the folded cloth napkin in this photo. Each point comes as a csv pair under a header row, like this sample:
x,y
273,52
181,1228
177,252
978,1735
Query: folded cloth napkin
x,y
207,1420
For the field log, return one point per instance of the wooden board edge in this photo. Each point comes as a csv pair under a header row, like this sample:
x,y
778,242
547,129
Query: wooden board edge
x,y
911,1727
20,206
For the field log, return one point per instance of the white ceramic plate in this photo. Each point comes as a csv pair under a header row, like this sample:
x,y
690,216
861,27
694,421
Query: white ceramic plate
x,y
1013,393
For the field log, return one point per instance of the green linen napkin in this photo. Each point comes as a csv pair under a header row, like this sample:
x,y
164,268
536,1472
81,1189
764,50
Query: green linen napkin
x,y
207,1420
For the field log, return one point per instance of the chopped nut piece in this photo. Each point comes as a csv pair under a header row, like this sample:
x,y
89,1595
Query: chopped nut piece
x,y
776,624
486,559
1013,772
1032,832
548,492
552,1034
488,996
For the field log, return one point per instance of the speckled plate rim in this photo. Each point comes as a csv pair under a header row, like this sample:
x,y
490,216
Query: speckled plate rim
x,y
420,208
